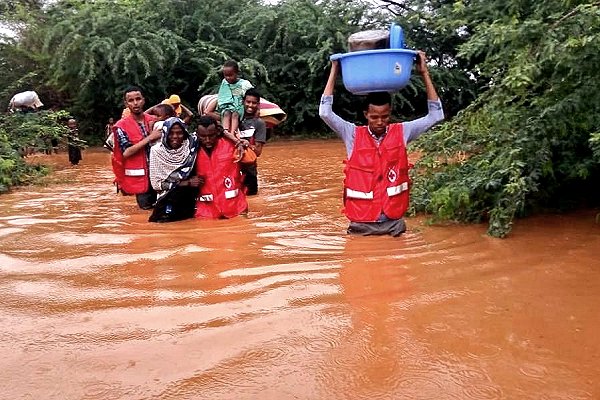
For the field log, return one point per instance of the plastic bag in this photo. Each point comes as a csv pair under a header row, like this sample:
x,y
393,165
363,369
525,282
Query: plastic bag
x,y
27,99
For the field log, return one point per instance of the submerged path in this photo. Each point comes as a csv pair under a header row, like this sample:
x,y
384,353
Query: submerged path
x,y
96,303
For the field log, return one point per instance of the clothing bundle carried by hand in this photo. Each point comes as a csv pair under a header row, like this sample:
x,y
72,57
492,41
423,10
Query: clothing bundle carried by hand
x,y
247,157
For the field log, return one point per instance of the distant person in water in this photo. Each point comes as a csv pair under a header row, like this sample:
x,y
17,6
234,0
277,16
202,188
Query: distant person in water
x,y
108,127
376,183
109,138
221,193
72,141
172,167
133,135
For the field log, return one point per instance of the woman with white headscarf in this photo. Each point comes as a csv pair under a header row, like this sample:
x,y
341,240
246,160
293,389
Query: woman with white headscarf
x,y
172,173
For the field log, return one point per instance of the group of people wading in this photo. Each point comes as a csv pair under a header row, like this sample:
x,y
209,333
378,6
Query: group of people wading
x,y
181,174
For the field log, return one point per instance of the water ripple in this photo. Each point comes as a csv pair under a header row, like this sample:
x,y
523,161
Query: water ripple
x,y
73,238
534,371
78,265
569,394
325,343
282,268
274,281
482,392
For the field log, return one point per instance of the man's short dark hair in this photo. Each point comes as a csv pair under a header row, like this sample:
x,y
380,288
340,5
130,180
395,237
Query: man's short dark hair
x,y
130,89
206,121
377,99
253,93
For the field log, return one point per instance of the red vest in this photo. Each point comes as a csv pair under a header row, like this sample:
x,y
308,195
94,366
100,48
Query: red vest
x,y
222,194
131,173
376,176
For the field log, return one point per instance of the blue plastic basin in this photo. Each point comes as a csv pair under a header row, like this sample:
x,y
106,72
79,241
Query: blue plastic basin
x,y
385,70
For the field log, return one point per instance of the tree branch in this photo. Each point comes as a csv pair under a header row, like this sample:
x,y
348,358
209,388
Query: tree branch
x,y
571,13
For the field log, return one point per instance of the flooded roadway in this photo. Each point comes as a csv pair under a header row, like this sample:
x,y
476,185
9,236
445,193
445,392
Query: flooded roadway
x,y
96,303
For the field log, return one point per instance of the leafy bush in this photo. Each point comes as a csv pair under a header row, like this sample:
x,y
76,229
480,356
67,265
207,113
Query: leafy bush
x,y
531,141
21,133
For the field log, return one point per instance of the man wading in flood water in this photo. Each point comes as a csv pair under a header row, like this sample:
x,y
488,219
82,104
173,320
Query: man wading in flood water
x,y
133,137
376,184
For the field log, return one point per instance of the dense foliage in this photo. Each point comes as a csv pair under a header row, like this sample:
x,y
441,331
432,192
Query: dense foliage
x,y
87,52
518,79
25,133
531,140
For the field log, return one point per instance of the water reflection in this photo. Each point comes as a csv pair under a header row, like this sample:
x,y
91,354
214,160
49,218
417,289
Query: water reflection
x,y
99,304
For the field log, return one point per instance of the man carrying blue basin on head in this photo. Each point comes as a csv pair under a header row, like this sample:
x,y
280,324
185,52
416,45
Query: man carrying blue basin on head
x,y
376,184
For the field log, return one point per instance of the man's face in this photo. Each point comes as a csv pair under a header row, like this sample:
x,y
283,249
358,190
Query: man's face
x,y
251,105
208,136
175,138
378,118
134,101
72,124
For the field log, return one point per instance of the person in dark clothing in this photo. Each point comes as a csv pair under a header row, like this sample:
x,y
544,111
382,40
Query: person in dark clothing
x,y
172,163
74,149
254,130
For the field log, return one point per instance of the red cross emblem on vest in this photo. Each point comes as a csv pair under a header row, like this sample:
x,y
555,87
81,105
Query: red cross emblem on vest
x,y
392,176
228,183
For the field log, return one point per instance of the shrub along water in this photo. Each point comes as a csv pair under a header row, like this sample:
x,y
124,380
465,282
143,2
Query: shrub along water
x,y
531,141
22,134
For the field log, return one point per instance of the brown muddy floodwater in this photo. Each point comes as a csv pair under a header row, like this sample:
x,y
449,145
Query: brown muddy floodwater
x,y
96,303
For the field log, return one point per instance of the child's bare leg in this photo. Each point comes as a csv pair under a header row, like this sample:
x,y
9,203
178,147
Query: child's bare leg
x,y
226,120
235,122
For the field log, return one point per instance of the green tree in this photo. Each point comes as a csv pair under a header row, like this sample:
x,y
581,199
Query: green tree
x,y
21,133
528,142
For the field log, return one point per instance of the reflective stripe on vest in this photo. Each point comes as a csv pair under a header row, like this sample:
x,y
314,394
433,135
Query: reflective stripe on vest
x,y
206,197
135,172
230,194
355,194
395,190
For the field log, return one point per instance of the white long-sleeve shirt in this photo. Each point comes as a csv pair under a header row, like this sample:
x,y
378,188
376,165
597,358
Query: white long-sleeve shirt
x,y
411,129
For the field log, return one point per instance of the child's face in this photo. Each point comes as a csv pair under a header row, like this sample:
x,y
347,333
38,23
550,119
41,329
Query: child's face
x,y
161,115
230,74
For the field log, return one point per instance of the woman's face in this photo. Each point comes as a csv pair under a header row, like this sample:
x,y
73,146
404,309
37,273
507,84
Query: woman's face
x,y
175,138
207,136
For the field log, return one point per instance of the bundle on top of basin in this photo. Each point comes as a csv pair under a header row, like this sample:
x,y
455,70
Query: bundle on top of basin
x,y
377,61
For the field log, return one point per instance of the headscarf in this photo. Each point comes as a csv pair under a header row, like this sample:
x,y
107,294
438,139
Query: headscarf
x,y
170,166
